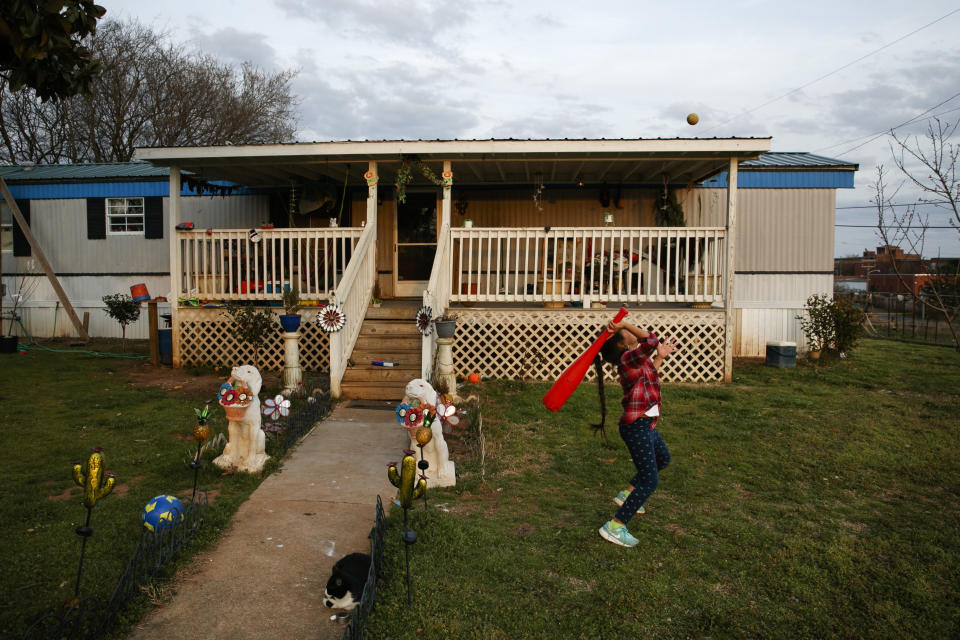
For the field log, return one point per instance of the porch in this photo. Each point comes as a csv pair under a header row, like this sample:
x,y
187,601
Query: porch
x,y
528,297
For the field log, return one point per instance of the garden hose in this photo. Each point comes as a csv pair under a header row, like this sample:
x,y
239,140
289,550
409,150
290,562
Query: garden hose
x,y
99,354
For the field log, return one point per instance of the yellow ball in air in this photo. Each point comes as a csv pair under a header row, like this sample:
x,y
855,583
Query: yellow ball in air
x,y
693,119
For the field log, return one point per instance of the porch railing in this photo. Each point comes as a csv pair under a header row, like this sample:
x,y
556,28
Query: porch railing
x,y
576,264
237,264
352,295
436,295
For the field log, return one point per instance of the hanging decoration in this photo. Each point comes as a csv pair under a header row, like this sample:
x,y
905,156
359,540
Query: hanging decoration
x,y
405,176
276,407
332,318
538,191
669,211
461,204
371,178
425,320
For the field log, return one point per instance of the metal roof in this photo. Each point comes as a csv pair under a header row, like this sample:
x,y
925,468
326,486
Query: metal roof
x,y
776,159
111,171
475,162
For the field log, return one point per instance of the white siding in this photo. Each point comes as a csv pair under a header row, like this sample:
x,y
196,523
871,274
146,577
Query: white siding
x,y
755,327
61,229
777,229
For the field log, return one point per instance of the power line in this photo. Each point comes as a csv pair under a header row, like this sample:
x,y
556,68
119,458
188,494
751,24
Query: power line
x,y
874,136
873,226
827,75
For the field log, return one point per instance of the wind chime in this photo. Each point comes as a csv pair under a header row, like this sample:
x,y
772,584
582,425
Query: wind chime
x,y
538,191
293,203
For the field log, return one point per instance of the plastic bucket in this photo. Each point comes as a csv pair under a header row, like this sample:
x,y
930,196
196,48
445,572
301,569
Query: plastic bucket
x,y
139,292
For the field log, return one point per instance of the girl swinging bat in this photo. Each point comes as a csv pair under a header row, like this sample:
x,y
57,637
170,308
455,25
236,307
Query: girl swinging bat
x,y
638,355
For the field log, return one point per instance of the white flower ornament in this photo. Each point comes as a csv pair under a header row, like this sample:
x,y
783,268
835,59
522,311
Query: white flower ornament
x,y
332,318
276,407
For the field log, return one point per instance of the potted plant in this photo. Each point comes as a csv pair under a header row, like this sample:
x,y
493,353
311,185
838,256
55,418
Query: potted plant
x,y
124,310
290,319
817,325
446,325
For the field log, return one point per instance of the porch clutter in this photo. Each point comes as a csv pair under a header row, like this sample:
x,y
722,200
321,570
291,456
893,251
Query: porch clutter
x,y
239,397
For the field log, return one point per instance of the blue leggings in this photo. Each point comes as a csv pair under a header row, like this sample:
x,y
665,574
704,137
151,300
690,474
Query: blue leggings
x,y
650,457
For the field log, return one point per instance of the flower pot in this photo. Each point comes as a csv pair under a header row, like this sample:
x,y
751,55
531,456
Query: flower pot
x,y
446,328
8,344
290,323
813,355
235,411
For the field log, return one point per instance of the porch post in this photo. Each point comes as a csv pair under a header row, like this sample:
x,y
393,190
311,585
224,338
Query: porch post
x,y
729,311
372,179
173,219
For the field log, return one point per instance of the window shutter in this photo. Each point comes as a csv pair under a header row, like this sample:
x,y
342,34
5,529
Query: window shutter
x,y
20,245
96,219
153,218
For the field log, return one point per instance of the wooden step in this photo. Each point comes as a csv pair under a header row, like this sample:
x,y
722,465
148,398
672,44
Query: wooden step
x,y
392,392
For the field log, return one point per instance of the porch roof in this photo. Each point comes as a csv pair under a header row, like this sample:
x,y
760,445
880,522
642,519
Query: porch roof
x,y
475,162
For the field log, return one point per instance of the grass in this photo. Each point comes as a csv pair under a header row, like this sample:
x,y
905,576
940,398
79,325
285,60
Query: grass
x,y
820,501
54,408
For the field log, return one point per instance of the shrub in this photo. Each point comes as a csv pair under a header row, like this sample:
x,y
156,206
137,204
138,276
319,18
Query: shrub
x,y
252,326
818,323
847,324
124,310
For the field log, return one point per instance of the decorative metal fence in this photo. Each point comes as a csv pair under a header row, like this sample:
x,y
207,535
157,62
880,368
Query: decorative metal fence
x,y
357,624
899,317
89,618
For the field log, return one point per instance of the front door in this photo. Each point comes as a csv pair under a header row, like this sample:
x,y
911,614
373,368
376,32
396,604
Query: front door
x,y
415,244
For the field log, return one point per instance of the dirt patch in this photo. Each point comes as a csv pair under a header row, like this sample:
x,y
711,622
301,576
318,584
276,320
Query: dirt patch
x,y
187,384
123,488
68,494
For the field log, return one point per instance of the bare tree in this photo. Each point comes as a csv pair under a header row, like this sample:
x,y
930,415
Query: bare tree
x,y
149,93
929,164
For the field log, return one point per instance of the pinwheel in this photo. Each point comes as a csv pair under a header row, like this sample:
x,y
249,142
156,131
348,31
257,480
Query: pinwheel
x,y
446,414
425,320
276,407
332,318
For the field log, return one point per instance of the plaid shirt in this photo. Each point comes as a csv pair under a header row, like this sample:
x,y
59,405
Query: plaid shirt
x,y
640,381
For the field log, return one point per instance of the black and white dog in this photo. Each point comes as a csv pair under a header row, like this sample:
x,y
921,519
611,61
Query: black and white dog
x,y
345,586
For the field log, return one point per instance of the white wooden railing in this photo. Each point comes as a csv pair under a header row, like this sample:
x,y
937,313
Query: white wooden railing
x,y
436,296
353,295
227,264
577,264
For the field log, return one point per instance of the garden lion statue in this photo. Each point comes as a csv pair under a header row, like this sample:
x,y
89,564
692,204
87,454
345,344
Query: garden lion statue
x,y
441,472
245,450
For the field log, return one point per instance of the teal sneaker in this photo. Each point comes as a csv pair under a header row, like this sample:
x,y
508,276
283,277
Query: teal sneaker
x,y
619,536
622,497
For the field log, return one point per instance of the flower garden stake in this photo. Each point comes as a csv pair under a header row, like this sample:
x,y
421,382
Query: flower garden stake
x,y
201,431
410,488
96,484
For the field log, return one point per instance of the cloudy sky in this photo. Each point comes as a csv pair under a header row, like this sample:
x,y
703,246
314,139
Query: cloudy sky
x,y
825,77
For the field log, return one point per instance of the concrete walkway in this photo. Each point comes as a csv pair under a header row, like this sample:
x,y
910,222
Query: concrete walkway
x,y
266,575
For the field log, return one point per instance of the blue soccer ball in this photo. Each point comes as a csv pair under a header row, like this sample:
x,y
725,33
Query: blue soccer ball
x,y
162,511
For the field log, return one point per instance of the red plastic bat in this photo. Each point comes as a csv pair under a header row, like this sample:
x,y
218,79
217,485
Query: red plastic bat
x,y
568,381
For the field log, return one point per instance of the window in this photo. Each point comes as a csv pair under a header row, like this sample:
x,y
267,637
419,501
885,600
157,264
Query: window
x,y
6,228
125,216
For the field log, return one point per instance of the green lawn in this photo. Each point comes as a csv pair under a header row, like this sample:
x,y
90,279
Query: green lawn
x,y
54,407
821,501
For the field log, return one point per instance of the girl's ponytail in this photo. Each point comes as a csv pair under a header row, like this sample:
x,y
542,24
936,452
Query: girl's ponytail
x,y
598,366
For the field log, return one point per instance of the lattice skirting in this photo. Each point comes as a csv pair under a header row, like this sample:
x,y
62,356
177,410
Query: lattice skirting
x,y
205,340
538,345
